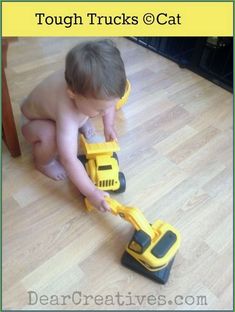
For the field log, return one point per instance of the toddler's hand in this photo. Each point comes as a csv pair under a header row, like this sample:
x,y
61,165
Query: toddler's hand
x,y
110,134
97,199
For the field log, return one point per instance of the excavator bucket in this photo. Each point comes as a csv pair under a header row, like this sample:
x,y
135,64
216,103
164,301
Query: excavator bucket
x,y
124,99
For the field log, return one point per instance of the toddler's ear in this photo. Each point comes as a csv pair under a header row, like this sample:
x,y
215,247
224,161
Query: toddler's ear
x,y
71,94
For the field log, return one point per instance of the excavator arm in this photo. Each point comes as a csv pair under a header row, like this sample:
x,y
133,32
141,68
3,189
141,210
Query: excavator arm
x,y
130,214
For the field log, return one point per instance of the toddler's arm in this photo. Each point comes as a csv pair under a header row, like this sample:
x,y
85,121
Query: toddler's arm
x,y
108,121
67,137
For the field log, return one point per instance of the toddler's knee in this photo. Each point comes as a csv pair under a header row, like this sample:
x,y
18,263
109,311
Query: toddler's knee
x,y
26,132
49,134
40,131
23,130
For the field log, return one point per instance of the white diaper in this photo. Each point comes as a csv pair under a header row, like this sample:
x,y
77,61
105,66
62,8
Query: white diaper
x,y
23,120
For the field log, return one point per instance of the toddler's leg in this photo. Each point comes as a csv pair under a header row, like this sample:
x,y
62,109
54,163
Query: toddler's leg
x,y
42,135
88,130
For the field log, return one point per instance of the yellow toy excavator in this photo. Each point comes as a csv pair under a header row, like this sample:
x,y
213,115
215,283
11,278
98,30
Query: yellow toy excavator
x,y
152,248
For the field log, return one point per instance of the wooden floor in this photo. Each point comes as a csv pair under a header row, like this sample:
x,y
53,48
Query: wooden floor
x,y
176,152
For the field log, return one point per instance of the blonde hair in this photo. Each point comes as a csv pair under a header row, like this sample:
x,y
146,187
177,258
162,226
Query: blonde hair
x,y
96,69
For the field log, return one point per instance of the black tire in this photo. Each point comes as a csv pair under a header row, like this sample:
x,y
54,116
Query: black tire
x,y
82,159
116,157
122,181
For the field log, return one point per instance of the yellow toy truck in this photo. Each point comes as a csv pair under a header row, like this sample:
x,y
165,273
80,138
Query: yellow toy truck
x,y
101,164
153,247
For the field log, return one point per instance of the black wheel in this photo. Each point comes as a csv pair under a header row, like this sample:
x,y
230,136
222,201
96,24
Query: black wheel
x,y
116,157
122,181
82,159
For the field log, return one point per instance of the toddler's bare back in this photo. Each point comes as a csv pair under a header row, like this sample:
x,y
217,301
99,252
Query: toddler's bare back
x,y
49,99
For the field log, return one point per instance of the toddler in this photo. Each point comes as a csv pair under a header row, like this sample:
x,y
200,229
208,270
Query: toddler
x,y
93,81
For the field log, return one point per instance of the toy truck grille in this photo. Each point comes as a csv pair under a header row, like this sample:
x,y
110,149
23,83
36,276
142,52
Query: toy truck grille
x,y
106,183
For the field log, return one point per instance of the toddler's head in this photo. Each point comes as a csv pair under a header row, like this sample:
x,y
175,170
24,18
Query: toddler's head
x,y
95,76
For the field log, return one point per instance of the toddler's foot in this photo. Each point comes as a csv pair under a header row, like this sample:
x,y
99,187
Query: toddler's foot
x,y
53,170
87,130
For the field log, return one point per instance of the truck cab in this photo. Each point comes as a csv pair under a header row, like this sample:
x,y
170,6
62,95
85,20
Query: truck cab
x,y
101,163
